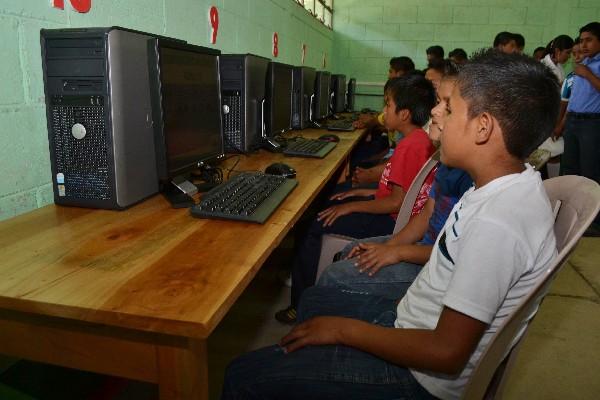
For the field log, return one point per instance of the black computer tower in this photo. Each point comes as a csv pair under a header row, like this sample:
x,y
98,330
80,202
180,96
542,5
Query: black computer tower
x,y
243,95
350,94
322,101
99,116
338,93
304,94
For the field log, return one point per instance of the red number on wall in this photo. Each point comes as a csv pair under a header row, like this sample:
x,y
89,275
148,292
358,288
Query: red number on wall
x,y
213,17
81,6
275,44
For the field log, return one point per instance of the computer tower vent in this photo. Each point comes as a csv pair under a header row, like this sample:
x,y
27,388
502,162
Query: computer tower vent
x,y
82,165
232,120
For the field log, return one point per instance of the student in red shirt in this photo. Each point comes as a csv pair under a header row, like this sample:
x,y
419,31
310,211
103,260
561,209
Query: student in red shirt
x,y
362,213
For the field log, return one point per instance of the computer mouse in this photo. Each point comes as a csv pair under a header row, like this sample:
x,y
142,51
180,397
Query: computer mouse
x,y
281,169
330,138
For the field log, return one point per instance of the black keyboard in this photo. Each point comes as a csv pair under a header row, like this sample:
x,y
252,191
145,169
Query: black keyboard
x,y
344,125
308,148
249,196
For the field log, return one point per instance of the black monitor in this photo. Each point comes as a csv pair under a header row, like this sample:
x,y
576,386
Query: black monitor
x,y
338,93
322,95
186,109
278,100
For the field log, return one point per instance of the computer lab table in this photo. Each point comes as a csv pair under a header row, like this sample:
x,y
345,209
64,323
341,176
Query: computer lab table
x,y
136,293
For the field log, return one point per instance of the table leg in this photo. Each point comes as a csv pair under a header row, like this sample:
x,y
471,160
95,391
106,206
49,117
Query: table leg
x,y
183,372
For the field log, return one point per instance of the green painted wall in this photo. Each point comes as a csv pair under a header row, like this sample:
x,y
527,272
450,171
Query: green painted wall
x,y
366,34
369,32
244,26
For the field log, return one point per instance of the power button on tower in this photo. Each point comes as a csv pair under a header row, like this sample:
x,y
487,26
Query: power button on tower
x,y
78,131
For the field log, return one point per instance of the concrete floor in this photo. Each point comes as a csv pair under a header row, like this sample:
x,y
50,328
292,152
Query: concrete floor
x,y
559,359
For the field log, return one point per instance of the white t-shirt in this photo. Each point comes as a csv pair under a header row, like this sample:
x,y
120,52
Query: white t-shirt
x,y
556,68
499,241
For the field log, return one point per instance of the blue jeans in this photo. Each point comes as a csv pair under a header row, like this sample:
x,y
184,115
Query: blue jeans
x,y
390,282
324,372
356,225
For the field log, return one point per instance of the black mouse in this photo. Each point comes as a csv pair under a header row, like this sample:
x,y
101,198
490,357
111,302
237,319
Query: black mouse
x,y
281,169
330,138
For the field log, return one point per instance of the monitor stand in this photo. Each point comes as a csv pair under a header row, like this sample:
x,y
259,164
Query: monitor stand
x,y
179,192
271,145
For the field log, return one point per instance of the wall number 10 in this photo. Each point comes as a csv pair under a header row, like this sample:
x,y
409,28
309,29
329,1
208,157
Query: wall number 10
x,y
81,6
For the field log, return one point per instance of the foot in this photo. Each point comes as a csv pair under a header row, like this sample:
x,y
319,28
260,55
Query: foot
x,y
286,316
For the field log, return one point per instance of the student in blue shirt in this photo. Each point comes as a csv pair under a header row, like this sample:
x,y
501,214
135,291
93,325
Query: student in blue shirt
x,y
582,130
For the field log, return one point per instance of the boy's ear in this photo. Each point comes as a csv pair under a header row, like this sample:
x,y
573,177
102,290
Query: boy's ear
x,y
485,126
405,115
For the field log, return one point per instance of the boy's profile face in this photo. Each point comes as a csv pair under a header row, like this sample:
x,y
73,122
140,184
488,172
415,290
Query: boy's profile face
x,y
456,130
434,76
440,111
589,44
390,117
577,54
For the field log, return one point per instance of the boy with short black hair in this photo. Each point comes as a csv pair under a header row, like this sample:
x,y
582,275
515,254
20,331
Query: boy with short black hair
x,y
520,41
492,251
582,129
458,56
505,42
400,66
434,53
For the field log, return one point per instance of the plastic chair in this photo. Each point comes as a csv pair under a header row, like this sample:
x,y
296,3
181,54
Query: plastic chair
x,y
333,243
579,202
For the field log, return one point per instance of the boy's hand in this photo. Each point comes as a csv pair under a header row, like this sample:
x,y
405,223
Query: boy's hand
x,y
358,124
344,195
315,331
353,193
329,215
364,175
374,256
582,70
355,251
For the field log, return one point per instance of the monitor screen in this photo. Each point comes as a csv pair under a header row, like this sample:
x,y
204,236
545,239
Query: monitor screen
x,y
190,107
279,100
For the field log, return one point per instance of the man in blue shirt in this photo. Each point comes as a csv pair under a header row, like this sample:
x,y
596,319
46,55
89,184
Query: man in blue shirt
x,y
582,131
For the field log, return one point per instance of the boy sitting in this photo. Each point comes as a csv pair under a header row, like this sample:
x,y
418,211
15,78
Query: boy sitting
x,y
387,265
361,213
494,248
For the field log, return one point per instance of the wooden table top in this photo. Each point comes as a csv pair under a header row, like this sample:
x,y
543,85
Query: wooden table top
x,y
151,267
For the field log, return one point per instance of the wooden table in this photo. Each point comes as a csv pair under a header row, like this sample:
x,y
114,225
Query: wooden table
x,y
136,293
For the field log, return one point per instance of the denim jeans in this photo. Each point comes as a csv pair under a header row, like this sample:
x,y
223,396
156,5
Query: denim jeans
x,y
307,254
324,372
390,282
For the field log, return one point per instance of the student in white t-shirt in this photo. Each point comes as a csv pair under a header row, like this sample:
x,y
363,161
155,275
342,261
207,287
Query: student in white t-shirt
x,y
493,249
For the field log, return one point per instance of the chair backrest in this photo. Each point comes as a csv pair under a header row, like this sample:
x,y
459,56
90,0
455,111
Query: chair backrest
x,y
579,200
413,191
